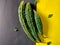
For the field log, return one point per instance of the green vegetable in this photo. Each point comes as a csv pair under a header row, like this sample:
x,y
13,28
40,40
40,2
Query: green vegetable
x,y
29,18
21,16
38,22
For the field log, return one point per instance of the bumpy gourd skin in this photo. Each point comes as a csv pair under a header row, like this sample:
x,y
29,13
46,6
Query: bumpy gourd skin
x,y
38,23
21,16
51,26
26,19
29,18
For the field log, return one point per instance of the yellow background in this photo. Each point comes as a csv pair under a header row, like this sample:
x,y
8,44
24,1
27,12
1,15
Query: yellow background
x,y
51,26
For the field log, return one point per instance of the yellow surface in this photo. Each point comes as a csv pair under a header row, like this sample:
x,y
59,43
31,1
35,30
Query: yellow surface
x,y
51,26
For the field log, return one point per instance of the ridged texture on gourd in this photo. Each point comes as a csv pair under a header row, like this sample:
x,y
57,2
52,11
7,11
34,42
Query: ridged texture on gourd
x,y
38,22
21,16
29,18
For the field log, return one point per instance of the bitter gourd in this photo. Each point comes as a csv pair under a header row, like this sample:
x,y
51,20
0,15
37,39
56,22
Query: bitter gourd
x,y
21,16
28,15
38,22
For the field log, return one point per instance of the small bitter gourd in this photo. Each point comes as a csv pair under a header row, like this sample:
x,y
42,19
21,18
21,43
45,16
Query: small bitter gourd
x,y
21,16
38,22
28,15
